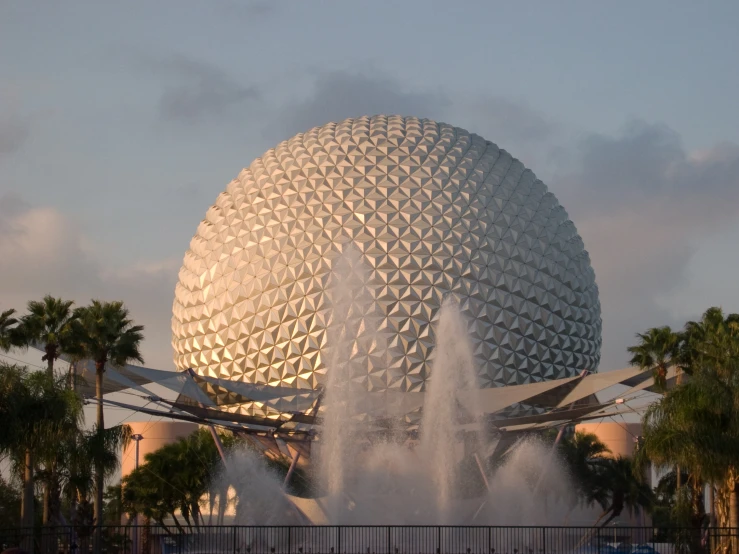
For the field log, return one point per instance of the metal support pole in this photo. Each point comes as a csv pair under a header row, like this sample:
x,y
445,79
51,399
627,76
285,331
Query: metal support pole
x,y
137,438
292,469
296,458
583,373
214,434
219,444
482,471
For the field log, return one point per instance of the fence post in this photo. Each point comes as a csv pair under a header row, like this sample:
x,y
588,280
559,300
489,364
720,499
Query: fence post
x,y
389,550
438,544
544,540
234,542
289,539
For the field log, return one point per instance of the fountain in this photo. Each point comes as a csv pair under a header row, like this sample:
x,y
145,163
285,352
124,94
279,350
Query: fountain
x,y
369,475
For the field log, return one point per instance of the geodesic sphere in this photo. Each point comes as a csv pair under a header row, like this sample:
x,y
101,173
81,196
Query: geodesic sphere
x,y
433,210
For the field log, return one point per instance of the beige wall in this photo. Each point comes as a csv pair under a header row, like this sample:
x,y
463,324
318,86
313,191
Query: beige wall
x,y
619,437
156,435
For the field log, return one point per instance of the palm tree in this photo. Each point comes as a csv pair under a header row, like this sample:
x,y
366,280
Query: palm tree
x,y
696,425
113,505
712,348
34,412
584,456
106,335
10,504
175,478
80,454
49,322
7,325
626,490
657,350
711,342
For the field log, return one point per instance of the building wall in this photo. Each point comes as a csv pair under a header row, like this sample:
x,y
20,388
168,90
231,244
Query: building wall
x,y
156,435
619,437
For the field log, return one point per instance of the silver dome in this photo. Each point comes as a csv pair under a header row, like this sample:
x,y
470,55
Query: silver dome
x,y
433,210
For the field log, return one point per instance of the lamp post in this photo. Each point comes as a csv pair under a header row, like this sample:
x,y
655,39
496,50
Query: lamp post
x,y
138,438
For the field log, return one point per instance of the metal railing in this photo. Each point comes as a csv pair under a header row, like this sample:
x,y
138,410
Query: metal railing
x,y
378,539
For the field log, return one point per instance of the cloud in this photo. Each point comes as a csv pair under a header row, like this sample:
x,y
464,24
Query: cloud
x,y
528,134
39,244
341,94
197,91
337,95
43,252
643,205
14,131
511,120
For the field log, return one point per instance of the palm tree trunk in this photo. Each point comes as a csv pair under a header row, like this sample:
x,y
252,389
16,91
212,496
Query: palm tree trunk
x,y
211,505
734,514
178,524
222,504
609,519
47,505
55,506
99,395
73,376
711,501
49,364
146,536
99,477
27,503
46,538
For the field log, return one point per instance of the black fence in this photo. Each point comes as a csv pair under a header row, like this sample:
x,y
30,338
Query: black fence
x,y
373,540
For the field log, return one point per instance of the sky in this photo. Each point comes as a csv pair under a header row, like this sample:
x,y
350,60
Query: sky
x,y
121,122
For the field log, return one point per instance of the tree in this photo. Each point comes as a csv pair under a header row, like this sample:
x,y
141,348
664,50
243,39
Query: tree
x,y
113,504
656,351
7,326
106,335
174,478
585,456
668,513
625,489
696,425
80,456
10,503
713,350
49,322
34,411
